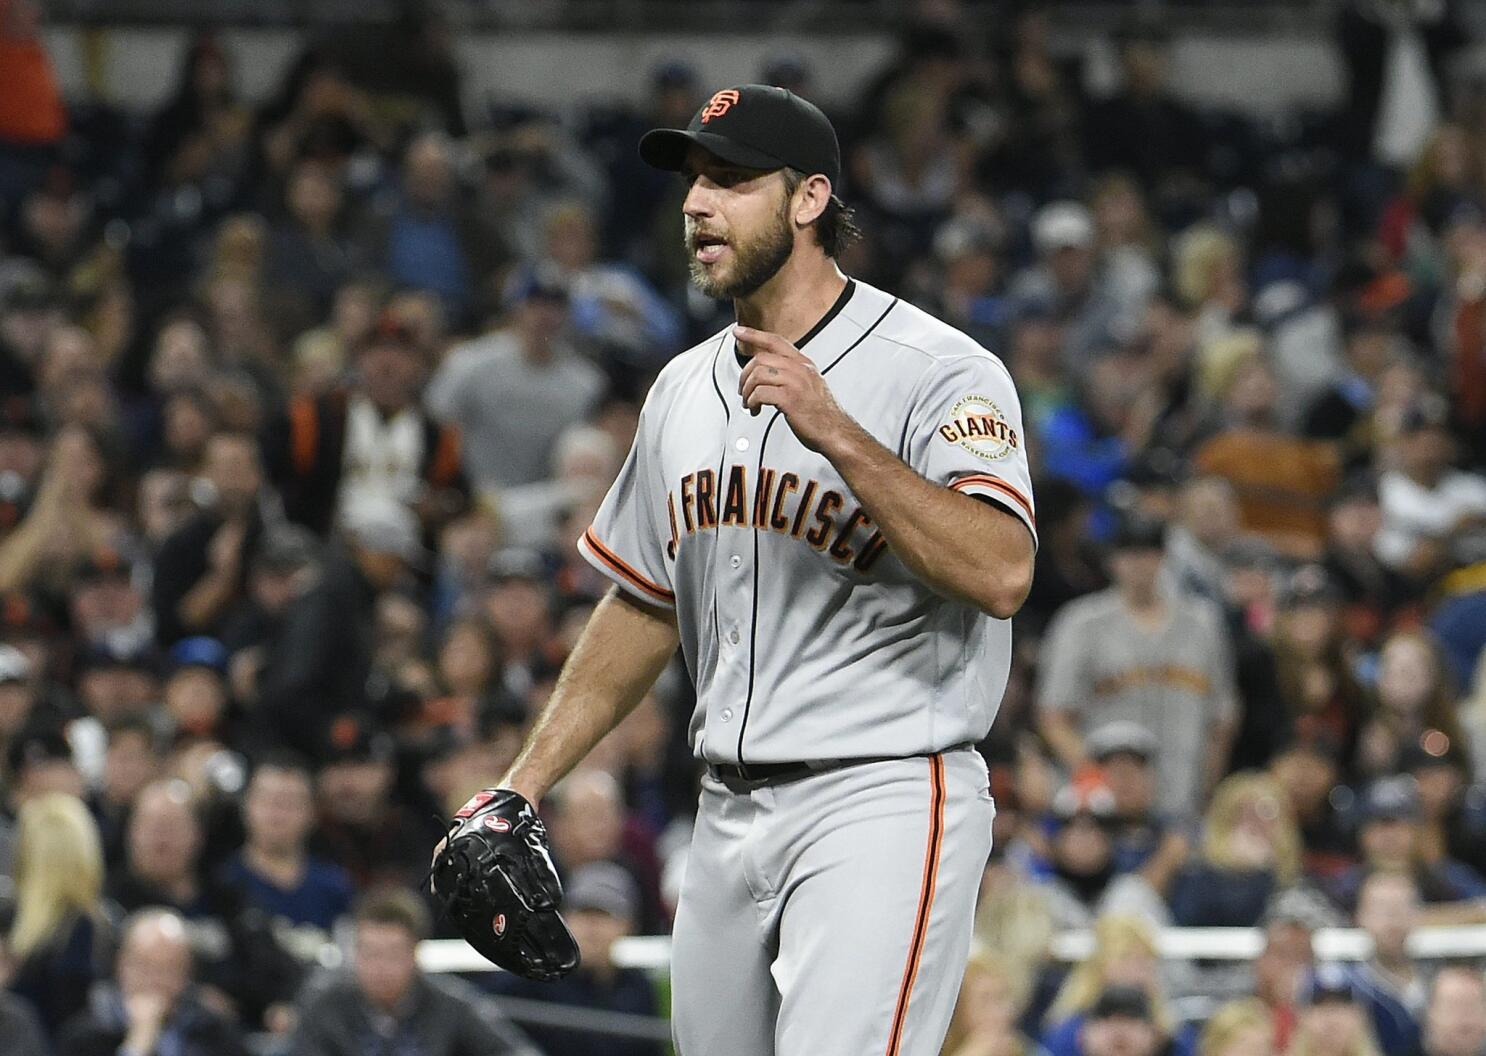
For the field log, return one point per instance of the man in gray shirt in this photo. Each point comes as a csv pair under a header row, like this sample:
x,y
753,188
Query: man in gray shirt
x,y
1162,662
514,391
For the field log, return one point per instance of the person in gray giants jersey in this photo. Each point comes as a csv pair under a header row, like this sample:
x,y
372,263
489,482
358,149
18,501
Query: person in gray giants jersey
x,y
828,508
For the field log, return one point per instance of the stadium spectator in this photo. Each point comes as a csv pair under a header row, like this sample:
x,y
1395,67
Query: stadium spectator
x,y
387,1004
1371,591
20,1032
512,392
611,305
310,253
1455,1019
131,760
1390,983
238,962
1281,481
1307,771
1239,1028
1454,821
1067,281
370,441
1283,965
1315,678
1429,508
602,903
1333,1018
589,823
1121,1024
1144,841
151,1005
1124,956
318,660
1144,128
1415,704
274,870
60,930
37,761
427,238
1389,839
1131,653
1250,850
376,839
993,995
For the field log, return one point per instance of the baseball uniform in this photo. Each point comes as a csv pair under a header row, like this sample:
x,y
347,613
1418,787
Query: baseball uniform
x,y
828,913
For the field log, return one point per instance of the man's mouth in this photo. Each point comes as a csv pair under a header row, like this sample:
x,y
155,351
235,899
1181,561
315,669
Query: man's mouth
x,y
709,248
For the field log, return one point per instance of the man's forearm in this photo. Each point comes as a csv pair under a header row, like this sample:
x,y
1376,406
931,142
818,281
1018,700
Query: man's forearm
x,y
1063,738
957,545
618,657
1218,746
205,601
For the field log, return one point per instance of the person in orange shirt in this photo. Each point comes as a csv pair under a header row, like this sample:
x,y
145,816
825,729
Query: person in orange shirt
x,y
1281,481
33,119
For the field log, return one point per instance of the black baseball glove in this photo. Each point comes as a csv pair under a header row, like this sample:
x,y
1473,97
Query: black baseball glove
x,y
494,879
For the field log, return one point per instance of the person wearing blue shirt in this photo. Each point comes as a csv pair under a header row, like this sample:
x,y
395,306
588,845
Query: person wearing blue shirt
x,y
273,870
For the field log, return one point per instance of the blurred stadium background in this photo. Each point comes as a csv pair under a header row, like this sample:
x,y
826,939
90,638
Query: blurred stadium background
x,y
324,325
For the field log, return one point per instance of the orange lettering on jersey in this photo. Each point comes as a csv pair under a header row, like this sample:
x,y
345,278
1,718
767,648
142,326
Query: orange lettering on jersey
x,y
762,489
735,506
805,498
788,482
687,502
706,506
839,549
779,504
871,551
830,502
719,104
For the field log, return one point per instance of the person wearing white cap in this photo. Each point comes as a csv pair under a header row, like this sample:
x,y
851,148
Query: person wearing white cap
x,y
1066,281
319,664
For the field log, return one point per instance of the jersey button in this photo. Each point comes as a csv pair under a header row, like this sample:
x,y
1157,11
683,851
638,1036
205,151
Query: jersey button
x,y
741,443
727,714
735,560
734,637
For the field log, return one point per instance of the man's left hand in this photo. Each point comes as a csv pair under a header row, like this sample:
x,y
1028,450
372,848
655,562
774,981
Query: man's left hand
x,y
780,375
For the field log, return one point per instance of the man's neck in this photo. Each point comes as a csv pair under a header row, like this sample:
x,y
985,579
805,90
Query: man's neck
x,y
796,298
281,864
1394,967
1145,608
1427,478
536,351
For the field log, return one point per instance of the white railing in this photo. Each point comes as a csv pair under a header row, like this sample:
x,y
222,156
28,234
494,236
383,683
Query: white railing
x,y
652,952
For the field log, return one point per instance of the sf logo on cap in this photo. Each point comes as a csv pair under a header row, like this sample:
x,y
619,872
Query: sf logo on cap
x,y
719,104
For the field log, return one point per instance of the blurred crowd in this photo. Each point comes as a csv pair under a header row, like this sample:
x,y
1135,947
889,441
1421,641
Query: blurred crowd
x,y
304,402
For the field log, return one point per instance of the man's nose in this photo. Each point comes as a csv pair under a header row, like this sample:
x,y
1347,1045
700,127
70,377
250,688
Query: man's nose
x,y
698,201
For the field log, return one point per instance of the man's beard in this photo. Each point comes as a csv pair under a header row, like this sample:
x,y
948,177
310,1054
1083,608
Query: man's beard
x,y
755,262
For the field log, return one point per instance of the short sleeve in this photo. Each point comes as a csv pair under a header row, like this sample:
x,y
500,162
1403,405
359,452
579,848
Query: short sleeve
x,y
965,432
629,536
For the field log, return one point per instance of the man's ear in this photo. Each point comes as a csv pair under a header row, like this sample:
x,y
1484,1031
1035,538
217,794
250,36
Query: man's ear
x,y
810,199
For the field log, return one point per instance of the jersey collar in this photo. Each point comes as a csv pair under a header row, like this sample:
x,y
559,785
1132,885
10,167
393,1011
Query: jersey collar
x,y
820,324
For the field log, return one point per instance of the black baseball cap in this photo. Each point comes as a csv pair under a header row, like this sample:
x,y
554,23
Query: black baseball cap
x,y
1137,532
1129,1002
754,125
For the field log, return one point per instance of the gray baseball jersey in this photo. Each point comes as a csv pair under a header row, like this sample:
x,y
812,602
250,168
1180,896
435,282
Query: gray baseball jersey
x,y
807,638
831,914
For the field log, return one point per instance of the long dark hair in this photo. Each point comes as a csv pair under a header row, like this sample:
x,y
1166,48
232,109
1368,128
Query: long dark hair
x,y
836,227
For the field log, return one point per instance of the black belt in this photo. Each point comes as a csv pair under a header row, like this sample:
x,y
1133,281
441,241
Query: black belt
x,y
746,778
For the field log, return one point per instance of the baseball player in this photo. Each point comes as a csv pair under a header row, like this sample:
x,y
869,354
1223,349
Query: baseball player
x,y
828,507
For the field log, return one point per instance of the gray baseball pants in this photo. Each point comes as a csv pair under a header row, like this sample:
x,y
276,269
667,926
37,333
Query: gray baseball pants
x,y
832,915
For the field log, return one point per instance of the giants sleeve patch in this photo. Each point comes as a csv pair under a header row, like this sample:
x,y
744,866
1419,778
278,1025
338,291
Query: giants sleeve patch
x,y
977,424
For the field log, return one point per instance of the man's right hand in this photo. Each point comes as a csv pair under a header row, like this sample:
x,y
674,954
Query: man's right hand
x,y
145,1013
225,551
